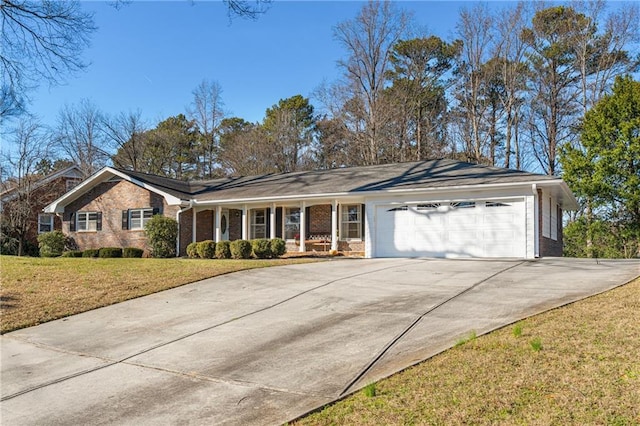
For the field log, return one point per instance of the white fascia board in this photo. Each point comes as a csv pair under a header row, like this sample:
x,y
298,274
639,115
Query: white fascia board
x,y
58,205
525,186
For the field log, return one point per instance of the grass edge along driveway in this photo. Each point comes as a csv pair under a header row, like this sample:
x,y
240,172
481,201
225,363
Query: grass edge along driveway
x,y
577,364
37,290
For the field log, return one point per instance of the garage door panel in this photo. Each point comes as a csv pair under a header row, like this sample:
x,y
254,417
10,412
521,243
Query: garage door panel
x,y
495,229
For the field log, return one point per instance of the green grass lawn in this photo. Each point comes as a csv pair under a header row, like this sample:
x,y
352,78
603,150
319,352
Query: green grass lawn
x,y
576,365
37,290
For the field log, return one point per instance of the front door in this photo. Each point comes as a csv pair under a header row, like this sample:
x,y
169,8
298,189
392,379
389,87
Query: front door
x,y
224,225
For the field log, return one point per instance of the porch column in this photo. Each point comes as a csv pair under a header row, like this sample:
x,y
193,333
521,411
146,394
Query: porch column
x,y
272,221
218,224
334,224
245,233
193,225
303,226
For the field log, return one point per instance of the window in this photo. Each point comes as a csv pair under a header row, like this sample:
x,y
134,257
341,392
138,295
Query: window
x,y
291,223
88,221
351,224
428,206
398,209
258,223
463,205
45,223
138,218
496,204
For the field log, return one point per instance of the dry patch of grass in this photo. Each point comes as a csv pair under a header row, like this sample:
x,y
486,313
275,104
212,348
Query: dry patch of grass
x,y
579,364
37,290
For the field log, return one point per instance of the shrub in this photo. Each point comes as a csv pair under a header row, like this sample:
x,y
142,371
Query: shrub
x,y
223,250
192,250
261,248
72,253
240,249
109,252
91,253
278,247
206,249
162,232
51,243
132,252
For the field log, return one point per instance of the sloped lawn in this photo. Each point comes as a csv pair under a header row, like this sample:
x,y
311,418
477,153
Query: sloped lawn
x,y
37,290
576,365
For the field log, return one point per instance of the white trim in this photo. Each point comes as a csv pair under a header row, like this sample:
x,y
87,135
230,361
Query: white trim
x,y
334,224
303,226
101,176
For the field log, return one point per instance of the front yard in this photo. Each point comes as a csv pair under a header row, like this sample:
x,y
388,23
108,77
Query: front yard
x,y
37,290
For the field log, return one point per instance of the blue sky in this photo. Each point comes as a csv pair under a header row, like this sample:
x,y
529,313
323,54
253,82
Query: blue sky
x,y
150,55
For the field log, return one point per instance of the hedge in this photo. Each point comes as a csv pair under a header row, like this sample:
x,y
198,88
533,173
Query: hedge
x,y
132,252
240,249
278,247
223,250
110,252
192,250
206,249
91,253
72,253
261,248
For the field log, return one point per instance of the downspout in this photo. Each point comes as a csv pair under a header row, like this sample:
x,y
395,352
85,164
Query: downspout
x,y
536,221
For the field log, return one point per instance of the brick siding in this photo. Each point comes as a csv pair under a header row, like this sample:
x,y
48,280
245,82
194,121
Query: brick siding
x,y
111,198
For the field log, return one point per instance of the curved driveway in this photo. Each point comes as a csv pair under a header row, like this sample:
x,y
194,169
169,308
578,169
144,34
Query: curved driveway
x,y
264,346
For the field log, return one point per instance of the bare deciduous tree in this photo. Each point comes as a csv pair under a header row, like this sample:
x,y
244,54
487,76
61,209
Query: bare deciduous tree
x,y
42,42
368,40
207,110
80,136
30,146
124,133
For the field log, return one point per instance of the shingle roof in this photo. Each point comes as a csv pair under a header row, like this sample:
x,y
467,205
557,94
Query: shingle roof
x,y
353,180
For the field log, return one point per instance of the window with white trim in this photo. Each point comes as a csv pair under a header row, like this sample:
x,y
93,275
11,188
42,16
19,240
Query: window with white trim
x,y
258,223
87,221
45,223
351,223
291,223
463,205
138,218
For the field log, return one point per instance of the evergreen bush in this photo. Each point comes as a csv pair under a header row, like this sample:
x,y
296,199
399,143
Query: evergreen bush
x,y
132,252
223,250
51,243
278,247
109,252
240,249
206,249
162,232
192,250
261,248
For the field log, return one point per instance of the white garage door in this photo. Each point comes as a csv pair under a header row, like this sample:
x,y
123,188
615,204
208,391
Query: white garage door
x,y
465,229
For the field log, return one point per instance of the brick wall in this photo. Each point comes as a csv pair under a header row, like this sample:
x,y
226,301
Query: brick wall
x,y
111,198
320,219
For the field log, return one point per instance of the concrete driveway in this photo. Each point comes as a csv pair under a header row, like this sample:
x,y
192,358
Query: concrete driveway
x,y
264,346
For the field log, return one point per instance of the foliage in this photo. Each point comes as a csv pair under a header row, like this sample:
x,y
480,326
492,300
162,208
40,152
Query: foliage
x,y
370,390
192,250
91,253
240,249
223,250
278,247
608,239
162,232
261,248
206,249
536,344
72,253
51,244
132,252
605,171
109,252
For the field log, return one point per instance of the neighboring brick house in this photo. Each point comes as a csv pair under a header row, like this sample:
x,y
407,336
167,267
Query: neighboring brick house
x,y
440,208
41,192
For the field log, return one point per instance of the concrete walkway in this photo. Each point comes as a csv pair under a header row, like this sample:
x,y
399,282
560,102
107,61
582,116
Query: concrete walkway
x,y
264,346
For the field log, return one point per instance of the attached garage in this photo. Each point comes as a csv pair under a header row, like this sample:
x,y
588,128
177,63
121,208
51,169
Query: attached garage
x,y
473,228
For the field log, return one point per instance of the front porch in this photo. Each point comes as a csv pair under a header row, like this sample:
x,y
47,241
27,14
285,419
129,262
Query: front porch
x,y
305,226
